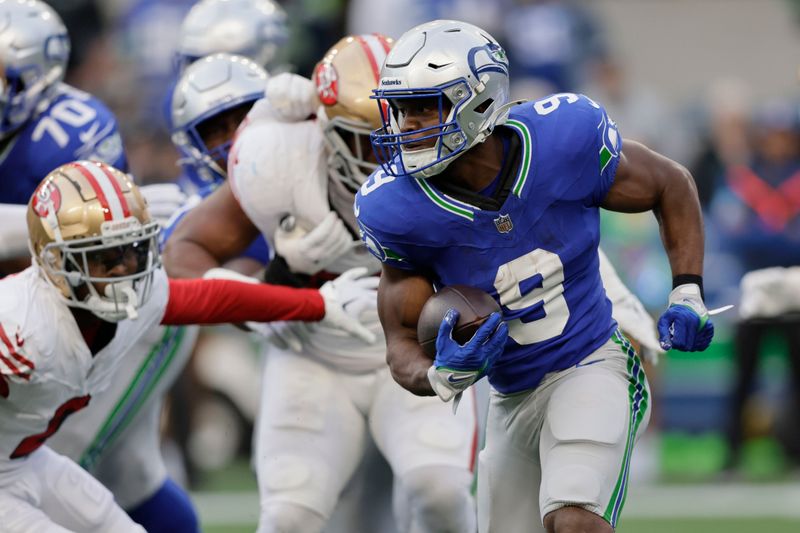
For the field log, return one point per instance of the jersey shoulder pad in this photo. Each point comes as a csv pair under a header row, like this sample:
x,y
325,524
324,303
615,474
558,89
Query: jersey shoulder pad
x,y
76,125
29,324
275,167
563,122
392,214
571,135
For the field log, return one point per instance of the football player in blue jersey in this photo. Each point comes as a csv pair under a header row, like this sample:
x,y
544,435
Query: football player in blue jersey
x,y
255,29
44,123
505,197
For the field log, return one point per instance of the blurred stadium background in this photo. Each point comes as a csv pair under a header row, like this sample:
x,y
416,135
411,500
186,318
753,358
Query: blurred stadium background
x,y
710,83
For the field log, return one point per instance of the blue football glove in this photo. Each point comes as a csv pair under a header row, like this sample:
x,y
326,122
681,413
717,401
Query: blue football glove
x,y
685,325
457,366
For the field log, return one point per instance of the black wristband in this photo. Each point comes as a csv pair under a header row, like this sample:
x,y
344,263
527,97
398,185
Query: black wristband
x,y
683,279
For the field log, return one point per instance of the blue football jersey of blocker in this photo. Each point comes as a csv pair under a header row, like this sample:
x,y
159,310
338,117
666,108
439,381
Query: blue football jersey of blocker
x,y
74,126
537,255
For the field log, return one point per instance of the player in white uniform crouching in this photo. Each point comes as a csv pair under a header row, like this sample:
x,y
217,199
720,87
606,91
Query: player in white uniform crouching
x,y
117,440
66,322
295,182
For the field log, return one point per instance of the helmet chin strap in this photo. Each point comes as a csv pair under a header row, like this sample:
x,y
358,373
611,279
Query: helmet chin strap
x,y
119,303
422,157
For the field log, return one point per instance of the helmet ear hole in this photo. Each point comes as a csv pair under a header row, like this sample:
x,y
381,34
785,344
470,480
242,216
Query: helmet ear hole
x,y
482,108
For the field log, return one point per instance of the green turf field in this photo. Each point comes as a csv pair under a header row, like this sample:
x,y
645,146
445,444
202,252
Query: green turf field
x,y
707,525
645,526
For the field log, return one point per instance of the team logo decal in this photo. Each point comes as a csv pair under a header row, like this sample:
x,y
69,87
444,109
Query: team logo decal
x,y
371,242
327,81
611,142
497,53
503,223
47,199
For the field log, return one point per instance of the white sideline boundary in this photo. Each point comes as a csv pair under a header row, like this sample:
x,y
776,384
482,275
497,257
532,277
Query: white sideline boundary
x,y
735,500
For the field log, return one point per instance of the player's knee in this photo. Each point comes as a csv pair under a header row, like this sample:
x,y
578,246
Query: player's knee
x,y
284,517
440,499
573,519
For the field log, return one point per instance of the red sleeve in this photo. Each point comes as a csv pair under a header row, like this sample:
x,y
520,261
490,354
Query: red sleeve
x,y
218,301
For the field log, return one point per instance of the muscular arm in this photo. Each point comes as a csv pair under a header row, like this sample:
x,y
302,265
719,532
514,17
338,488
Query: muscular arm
x,y
646,180
212,233
401,296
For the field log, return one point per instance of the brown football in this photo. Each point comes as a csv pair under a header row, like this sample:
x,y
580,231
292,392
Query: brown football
x,y
473,305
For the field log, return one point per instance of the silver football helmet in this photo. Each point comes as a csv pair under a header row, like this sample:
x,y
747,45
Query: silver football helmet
x,y
209,87
256,29
461,67
34,48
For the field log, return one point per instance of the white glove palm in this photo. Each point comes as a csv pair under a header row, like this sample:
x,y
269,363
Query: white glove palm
x,y
292,97
344,300
163,199
312,251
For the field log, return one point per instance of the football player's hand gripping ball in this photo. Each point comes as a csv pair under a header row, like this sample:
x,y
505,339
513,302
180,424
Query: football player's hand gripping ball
x,y
457,366
686,324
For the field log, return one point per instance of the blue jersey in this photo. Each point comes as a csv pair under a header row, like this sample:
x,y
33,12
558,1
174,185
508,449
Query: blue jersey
x,y
536,254
74,126
258,249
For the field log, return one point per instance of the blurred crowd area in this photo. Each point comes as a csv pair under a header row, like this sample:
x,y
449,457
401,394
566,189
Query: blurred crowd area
x,y
740,139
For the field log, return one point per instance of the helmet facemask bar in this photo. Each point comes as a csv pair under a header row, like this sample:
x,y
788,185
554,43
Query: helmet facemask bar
x,y
67,266
351,169
194,149
391,144
23,92
27,87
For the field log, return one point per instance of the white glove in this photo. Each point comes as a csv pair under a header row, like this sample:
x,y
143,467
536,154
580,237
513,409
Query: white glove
x,y
291,96
310,252
13,231
163,199
770,292
340,296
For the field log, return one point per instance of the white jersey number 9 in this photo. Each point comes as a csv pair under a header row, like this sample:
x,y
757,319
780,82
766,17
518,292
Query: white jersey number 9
x,y
507,282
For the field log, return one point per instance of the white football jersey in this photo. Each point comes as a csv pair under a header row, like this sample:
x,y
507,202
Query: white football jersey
x,y
279,169
47,371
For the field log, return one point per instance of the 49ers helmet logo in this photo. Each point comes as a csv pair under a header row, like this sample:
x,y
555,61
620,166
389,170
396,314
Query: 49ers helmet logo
x,y
327,81
45,198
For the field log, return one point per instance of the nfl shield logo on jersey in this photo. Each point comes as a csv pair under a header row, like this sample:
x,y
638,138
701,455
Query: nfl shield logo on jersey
x,y
503,223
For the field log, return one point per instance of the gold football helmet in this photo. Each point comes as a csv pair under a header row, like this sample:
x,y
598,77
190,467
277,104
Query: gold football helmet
x,y
344,79
91,234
